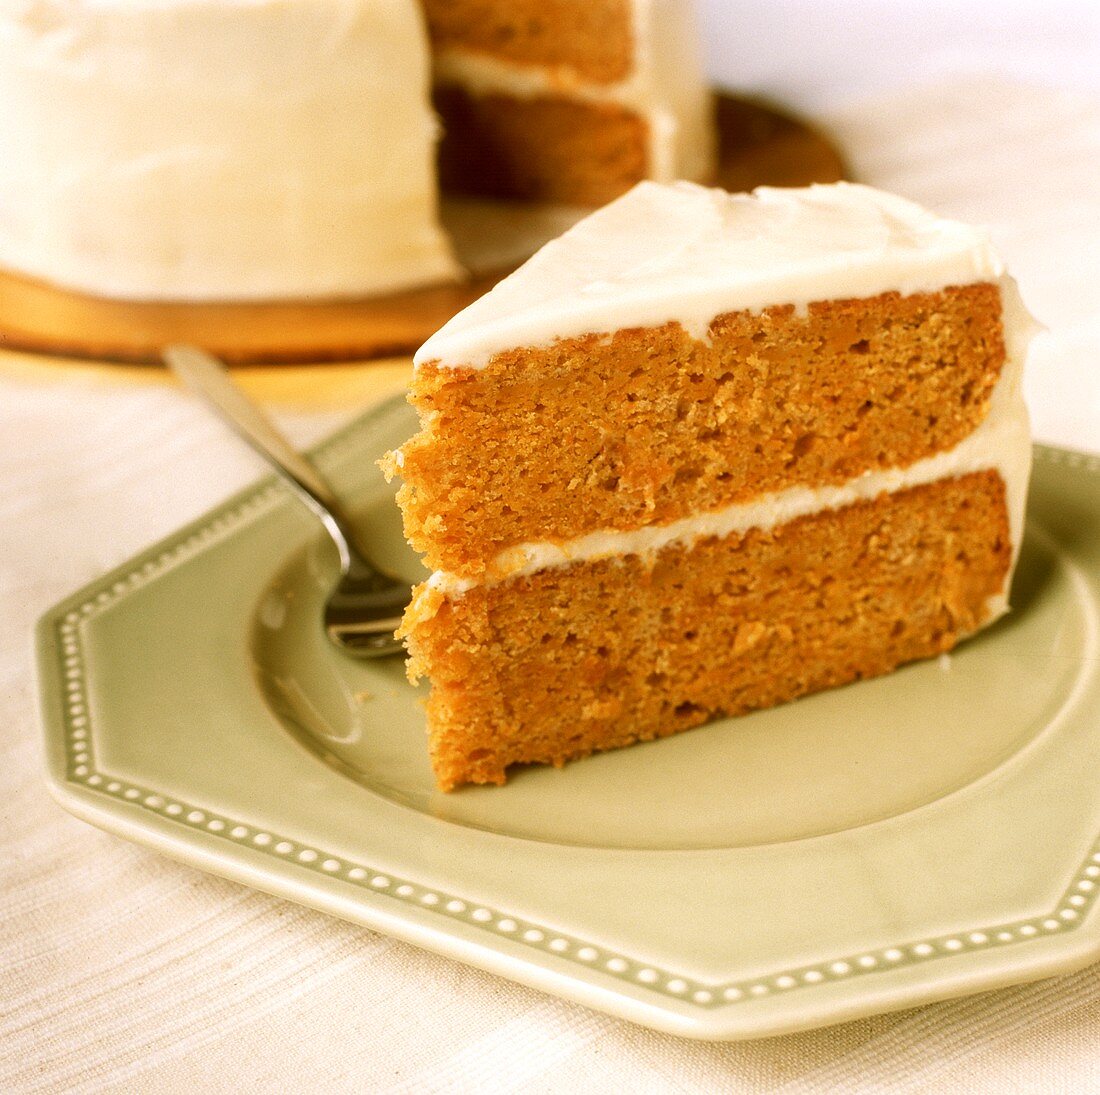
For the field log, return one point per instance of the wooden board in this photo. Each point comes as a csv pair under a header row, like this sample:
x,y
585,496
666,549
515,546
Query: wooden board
x,y
759,145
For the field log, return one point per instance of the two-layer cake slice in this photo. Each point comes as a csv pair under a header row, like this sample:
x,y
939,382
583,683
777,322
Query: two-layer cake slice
x,y
704,454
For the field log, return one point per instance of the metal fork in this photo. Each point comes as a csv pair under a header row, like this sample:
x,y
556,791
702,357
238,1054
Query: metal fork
x,y
365,606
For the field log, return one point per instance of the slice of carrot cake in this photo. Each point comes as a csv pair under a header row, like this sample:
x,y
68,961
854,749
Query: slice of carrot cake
x,y
703,454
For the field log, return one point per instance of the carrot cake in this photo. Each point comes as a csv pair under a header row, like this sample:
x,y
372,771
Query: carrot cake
x,y
706,453
263,149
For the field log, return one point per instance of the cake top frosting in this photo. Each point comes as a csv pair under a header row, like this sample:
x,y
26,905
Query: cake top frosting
x,y
688,253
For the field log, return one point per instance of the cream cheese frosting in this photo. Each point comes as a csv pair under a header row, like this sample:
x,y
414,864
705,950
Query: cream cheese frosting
x,y
686,253
219,149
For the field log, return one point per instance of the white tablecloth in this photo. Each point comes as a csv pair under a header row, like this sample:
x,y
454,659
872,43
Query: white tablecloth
x,y
123,971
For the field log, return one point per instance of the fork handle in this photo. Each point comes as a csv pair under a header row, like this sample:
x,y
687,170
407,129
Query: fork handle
x,y
207,377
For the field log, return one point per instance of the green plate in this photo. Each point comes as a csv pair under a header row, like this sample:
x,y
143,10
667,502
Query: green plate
x,y
907,839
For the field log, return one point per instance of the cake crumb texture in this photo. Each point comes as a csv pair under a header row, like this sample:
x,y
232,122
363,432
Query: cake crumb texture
x,y
647,426
591,39
574,660
584,153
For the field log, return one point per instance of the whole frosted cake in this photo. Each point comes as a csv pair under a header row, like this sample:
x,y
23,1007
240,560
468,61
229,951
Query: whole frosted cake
x,y
706,453
256,149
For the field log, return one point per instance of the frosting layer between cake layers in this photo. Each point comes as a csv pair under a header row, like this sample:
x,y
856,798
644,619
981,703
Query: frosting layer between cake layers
x,y
219,149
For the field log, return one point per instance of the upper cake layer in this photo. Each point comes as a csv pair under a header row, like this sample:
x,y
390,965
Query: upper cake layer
x,y
192,149
686,254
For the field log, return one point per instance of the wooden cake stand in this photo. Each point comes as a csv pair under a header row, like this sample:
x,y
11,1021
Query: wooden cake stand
x,y
759,145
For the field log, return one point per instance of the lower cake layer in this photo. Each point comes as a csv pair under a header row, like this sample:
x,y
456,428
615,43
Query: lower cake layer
x,y
599,654
540,149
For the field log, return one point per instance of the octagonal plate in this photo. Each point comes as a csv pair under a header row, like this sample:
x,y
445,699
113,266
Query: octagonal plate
x,y
920,836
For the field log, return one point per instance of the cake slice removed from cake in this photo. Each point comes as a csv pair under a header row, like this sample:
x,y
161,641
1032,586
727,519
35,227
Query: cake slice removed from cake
x,y
706,453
